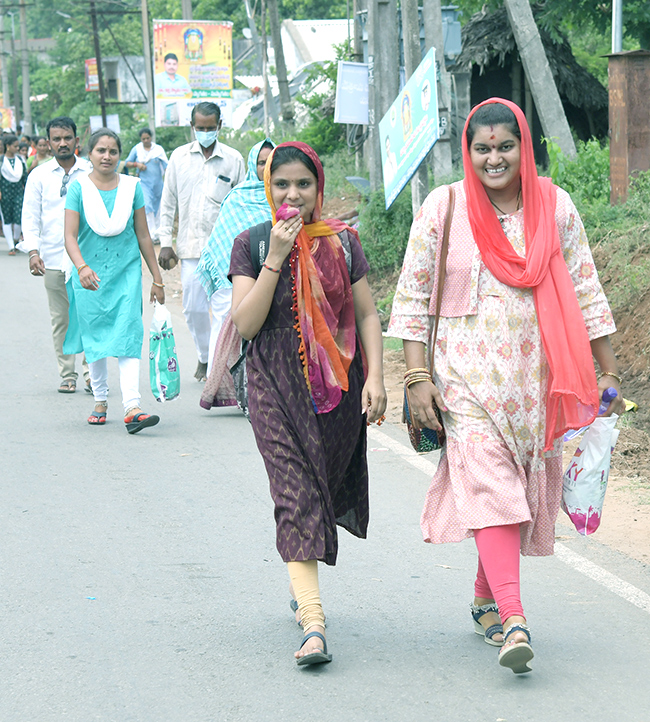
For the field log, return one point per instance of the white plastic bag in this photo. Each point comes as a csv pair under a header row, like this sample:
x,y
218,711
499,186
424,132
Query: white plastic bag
x,y
585,480
164,375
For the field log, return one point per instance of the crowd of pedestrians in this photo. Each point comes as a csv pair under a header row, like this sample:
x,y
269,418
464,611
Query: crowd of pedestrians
x,y
522,316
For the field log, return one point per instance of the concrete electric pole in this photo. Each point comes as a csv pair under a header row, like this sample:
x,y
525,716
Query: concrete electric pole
x,y
186,9
4,59
540,79
412,58
433,38
383,76
148,68
24,62
286,105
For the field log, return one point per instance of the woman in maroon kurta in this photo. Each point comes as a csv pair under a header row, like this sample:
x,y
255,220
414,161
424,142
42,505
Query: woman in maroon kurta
x,y
307,312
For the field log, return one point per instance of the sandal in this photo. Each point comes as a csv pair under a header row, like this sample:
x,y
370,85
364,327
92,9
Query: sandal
x,y
491,631
87,387
12,252
516,655
138,421
317,656
68,386
98,418
201,373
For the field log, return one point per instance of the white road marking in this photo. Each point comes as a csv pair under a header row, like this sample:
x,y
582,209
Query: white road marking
x,y
610,581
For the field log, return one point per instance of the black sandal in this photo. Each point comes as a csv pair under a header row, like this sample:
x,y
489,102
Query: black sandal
x,y
490,632
317,656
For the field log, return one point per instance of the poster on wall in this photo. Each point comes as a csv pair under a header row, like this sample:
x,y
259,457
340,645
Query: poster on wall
x,y
7,121
409,129
192,64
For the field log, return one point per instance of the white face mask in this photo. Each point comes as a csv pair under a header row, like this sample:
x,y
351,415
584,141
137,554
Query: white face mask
x,y
206,137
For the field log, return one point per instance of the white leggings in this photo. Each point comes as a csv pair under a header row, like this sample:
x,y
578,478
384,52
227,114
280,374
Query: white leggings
x,y
11,233
129,380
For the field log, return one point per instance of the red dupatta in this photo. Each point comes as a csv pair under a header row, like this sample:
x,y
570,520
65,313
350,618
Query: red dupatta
x,y
572,392
322,297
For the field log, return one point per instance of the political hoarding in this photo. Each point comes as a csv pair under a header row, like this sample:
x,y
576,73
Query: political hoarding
x,y
92,78
7,121
192,64
409,129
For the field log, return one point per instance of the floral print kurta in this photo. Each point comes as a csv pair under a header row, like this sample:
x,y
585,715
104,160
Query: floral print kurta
x,y
491,369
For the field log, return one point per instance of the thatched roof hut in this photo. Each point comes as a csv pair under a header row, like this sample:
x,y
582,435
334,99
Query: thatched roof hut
x,y
490,54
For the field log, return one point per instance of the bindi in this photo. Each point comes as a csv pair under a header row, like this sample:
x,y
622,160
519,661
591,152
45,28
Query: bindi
x,y
492,137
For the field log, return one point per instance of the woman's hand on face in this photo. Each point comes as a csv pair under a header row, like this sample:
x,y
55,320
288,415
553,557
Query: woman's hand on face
x,y
422,396
617,406
283,236
373,400
157,294
88,279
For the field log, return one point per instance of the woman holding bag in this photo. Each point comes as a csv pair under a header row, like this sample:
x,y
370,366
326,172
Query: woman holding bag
x,y
522,314
105,233
307,313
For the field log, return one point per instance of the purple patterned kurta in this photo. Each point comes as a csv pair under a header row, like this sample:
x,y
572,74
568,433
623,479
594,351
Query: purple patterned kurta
x,y
316,463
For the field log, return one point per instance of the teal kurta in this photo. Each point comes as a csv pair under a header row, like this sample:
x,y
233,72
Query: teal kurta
x,y
108,321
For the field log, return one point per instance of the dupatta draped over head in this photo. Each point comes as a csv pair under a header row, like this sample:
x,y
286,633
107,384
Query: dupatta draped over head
x,y
322,297
243,207
572,394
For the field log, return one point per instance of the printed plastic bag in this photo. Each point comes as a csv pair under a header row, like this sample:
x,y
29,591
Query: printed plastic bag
x,y
585,480
164,374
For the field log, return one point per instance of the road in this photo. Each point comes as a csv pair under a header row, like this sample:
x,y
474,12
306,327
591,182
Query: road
x,y
140,580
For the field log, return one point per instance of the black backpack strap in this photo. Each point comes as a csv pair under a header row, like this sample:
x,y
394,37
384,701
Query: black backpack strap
x,y
260,235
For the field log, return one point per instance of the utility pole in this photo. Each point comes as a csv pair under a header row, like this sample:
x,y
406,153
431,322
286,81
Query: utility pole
x,y
280,66
255,37
148,68
186,9
4,58
14,76
433,38
269,101
98,58
617,26
538,72
24,61
412,58
383,76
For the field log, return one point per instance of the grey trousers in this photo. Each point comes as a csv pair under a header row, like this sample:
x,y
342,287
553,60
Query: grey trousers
x,y
57,298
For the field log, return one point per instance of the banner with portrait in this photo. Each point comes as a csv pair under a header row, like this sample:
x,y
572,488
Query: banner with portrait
x,y
192,64
409,129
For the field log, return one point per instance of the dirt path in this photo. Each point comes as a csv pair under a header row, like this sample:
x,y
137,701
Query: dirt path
x,y
626,517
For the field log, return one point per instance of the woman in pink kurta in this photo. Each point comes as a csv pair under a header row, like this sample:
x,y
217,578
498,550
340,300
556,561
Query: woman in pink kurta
x,y
522,313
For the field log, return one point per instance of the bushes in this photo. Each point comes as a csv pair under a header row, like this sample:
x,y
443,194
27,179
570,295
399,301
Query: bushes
x,y
385,233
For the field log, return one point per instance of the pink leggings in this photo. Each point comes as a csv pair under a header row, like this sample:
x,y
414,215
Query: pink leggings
x,y
498,568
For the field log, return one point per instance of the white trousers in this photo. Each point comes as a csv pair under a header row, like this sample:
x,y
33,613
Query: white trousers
x,y
153,221
129,380
11,232
196,309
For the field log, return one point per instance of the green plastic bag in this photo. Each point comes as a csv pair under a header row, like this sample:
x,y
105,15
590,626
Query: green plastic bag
x,y
164,374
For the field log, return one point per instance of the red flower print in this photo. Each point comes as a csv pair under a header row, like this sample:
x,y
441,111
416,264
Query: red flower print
x,y
511,406
422,277
505,351
586,270
461,349
527,347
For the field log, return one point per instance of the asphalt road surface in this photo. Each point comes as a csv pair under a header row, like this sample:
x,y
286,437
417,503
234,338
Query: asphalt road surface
x,y
140,581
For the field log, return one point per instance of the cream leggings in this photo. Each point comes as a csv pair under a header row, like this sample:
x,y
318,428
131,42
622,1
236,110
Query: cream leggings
x,y
304,579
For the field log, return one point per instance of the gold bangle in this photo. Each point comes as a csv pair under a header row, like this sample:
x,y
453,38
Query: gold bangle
x,y
613,375
159,285
415,370
83,265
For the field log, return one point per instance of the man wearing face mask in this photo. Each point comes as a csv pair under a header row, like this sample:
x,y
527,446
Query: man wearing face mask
x,y
198,177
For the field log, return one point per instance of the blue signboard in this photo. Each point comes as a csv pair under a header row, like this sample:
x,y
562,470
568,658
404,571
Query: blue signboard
x,y
409,129
351,93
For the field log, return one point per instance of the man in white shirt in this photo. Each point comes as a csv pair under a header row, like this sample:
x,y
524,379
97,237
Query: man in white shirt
x,y
198,177
42,221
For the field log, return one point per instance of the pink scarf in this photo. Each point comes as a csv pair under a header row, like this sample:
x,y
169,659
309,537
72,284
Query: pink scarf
x,y
572,395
